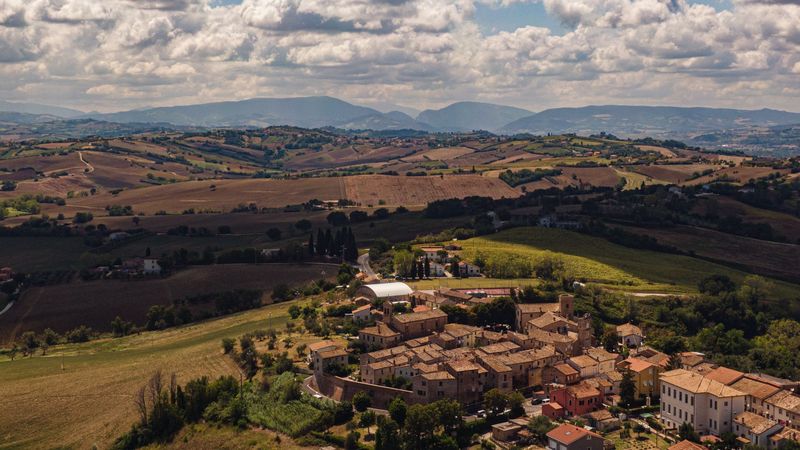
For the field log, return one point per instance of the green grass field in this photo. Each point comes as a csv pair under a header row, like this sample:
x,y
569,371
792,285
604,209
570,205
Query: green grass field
x,y
618,267
90,401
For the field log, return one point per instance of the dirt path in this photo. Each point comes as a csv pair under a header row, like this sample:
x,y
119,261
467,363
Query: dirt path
x,y
91,168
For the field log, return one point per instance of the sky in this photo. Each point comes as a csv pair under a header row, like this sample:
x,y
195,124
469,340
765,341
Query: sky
x,y
116,55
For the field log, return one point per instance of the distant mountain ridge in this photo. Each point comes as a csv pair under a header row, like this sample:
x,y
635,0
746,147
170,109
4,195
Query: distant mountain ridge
x,y
306,112
684,123
645,120
37,109
468,116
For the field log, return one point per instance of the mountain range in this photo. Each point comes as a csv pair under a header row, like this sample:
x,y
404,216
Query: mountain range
x,y
317,112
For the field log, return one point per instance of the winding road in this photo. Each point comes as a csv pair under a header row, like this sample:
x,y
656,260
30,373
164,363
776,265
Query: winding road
x,y
363,265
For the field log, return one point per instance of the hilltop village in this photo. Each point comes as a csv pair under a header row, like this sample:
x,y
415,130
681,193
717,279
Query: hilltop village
x,y
552,357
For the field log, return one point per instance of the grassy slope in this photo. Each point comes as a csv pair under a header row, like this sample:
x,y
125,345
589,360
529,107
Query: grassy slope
x,y
90,401
598,259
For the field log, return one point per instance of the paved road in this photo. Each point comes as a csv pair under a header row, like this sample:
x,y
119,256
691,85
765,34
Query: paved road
x,y
8,306
363,265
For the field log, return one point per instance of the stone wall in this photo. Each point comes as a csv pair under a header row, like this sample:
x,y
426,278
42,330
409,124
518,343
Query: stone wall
x,y
344,389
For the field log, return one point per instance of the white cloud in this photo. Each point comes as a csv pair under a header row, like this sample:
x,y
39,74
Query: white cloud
x,y
119,54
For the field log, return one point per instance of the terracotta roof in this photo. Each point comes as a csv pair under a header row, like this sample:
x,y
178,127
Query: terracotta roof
x,y
755,388
532,308
601,354
697,383
753,422
636,365
380,329
628,329
687,445
548,318
332,353
786,433
316,346
567,434
440,375
421,308
494,364
691,358
583,361
546,336
565,369
366,307
419,316
725,375
500,347
785,400
583,390
462,366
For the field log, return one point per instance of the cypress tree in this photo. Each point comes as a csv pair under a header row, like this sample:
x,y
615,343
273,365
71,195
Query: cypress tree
x,y
310,244
427,268
455,270
330,244
413,274
322,245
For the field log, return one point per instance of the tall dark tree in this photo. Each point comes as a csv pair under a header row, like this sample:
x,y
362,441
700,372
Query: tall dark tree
x,y
454,270
322,245
329,242
311,244
427,268
413,274
627,388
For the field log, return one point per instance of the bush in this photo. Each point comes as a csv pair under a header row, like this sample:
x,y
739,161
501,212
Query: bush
x,y
79,334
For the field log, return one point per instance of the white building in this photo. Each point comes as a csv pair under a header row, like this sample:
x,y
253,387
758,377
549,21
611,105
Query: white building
x,y
151,266
385,291
708,405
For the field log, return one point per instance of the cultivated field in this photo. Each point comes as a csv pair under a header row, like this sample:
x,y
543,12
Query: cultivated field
x,y
762,257
372,189
218,195
672,173
785,224
598,260
90,401
96,303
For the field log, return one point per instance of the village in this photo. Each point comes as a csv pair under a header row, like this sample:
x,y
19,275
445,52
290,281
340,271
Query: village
x,y
552,357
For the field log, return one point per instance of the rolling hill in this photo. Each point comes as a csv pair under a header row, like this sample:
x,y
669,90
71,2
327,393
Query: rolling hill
x,y
467,116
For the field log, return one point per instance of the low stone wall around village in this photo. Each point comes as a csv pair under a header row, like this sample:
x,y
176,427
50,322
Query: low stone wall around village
x,y
341,389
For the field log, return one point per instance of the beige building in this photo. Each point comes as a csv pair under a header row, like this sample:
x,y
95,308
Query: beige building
x,y
380,336
757,393
783,406
630,335
708,405
413,325
754,429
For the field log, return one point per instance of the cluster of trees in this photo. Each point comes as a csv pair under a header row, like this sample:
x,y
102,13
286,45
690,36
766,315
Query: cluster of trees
x,y
459,207
29,342
408,265
548,267
342,243
738,325
164,407
119,210
523,176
